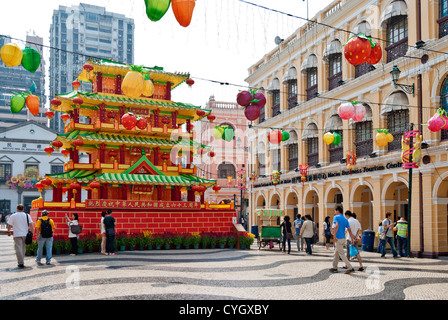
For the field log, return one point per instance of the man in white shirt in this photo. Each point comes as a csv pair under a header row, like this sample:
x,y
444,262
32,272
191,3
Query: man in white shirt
x,y
355,226
20,224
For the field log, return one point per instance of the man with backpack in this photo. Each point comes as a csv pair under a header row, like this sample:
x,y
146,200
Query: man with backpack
x,y
297,226
44,233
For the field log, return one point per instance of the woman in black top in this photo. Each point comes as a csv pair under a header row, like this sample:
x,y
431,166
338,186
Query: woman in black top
x,y
109,225
287,233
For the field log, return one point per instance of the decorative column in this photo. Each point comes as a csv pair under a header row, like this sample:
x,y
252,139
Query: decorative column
x,y
99,82
190,195
156,156
102,153
122,112
123,154
75,115
174,119
168,91
102,112
118,84
124,192
159,192
156,118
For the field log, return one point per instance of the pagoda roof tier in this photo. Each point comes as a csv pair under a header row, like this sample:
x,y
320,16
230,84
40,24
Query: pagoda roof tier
x,y
107,66
113,101
115,139
84,176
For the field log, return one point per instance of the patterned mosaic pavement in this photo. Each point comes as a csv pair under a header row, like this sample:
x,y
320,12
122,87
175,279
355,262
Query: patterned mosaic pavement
x,y
219,274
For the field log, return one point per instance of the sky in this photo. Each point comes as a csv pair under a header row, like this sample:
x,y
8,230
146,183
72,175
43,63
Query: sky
x,y
224,39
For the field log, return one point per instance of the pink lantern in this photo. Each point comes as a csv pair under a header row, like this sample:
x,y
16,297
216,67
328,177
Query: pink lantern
x,y
346,111
360,111
275,136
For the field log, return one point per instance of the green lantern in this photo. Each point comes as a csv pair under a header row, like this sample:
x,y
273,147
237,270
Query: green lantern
x,y
337,138
31,59
229,134
17,103
218,132
285,136
156,9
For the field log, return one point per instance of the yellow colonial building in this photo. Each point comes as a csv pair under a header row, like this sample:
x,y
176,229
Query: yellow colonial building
x,y
306,78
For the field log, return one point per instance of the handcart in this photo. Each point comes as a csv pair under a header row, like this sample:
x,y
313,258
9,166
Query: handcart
x,y
270,235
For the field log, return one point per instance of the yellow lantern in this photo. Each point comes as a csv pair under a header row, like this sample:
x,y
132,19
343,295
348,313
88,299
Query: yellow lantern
x,y
148,87
381,138
133,83
11,55
328,138
390,137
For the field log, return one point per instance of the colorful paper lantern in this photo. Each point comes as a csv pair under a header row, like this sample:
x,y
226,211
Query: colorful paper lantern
x,y
133,83
65,117
328,138
11,55
216,188
76,84
49,114
346,111
275,136
200,113
65,153
228,134
31,59
129,121
17,103
156,9
211,154
285,136
94,185
252,112
218,132
57,144
243,98
437,121
357,49
78,143
408,150
33,103
261,99
303,172
183,11
56,102
375,55
337,138
46,182
275,177
49,150
381,138
350,160
360,111
211,118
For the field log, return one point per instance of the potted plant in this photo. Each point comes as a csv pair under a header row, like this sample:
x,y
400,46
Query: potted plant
x,y
205,240
149,241
195,240
213,240
68,247
121,238
81,245
141,242
33,247
222,241
177,240
231,240
187,240
132,241
168,240
58,244
158,241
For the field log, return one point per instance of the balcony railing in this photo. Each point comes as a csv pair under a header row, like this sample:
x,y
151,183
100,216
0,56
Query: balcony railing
x,y
313,159
443,26
396,144
397,50
293,163
334,81
311,92
362,69
364,148
275,110
336,154
292,102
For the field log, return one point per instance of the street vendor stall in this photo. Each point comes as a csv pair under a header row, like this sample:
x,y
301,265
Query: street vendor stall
x,y
270,230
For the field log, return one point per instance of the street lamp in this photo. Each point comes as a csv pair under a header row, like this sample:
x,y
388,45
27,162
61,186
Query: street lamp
x,y
395,74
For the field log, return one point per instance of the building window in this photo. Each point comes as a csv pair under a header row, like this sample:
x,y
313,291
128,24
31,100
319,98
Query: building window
x,y
275,102
313,151
444,104
443,18
292,94
397,124
335,71
57,169
397,37
226,170
261,164
5,206
5,170
276,159
311,83
364,138
293,156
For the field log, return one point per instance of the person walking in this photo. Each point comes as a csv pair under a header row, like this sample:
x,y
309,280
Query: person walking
x,y
44,233
307,232
340,224
287,234
297,226
388,226
103,233
355,227
21,223
74,221
402,236
109,224
379,249
3,220
327,232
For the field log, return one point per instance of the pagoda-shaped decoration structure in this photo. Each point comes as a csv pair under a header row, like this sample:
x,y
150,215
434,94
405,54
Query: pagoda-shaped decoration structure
x,y
144,166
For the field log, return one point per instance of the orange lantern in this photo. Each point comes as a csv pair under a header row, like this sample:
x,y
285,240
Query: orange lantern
x,y
76,84
183,11
303,172
33,102
11,55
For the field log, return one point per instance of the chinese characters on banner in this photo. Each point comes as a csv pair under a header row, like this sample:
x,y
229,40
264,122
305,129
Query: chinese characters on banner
x,y
125,204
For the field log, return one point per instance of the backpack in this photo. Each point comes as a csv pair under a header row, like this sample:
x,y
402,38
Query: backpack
x,y
45,228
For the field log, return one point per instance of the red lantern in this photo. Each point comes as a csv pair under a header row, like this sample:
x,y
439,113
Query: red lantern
x,y
142,123
211,117
200,113
78,143
113,153
275,136
129,121
49,114
56,102
94,185
78,101
49,150
211,154
216,188
166,120
65,153
57,144
39,186
190,82
375,55
65,117
75,186
88,67
304,172
47,182
165,157
111,115
357,50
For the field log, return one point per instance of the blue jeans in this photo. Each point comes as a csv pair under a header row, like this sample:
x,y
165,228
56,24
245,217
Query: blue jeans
x,y
402,242
308,245
48,243
389,240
